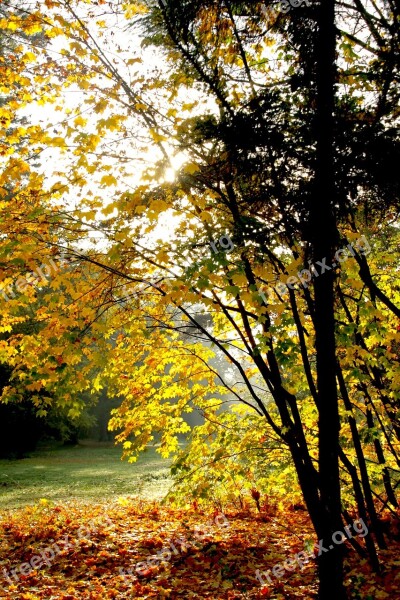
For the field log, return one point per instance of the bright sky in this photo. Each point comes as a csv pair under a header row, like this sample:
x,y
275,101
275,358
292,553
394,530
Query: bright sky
x,y
72,104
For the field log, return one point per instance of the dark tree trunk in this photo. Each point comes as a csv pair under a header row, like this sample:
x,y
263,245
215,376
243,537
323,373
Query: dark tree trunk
x,y
324,238
369,542
381,458
373,517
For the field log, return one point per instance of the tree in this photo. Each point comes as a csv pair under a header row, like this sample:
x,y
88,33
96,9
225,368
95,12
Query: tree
x,y
280,111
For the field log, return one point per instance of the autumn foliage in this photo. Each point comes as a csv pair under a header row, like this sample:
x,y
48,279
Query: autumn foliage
x,y
99,544
134,137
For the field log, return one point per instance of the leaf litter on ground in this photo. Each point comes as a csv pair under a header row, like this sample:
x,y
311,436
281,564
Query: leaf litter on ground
x,y
99,544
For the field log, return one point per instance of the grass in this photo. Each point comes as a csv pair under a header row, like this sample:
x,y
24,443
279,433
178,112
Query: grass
x,y
89,472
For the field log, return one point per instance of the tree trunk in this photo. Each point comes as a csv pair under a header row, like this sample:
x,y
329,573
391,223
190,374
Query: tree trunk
x,y
324,239
381,458
369,542
376,526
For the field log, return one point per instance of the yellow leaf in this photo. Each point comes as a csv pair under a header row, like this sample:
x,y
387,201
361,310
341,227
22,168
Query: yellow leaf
x,y
29,57
205,216
80,121
58,141
90,215
100,106
109,209
239,279
112,123
189,105
108,180
163,256
191,168
157,137
158,206
80,51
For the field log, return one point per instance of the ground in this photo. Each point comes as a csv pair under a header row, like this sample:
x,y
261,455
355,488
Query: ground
x,y
66,544
90,471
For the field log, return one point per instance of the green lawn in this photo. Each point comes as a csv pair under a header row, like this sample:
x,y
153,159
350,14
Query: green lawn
x,y
88,472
